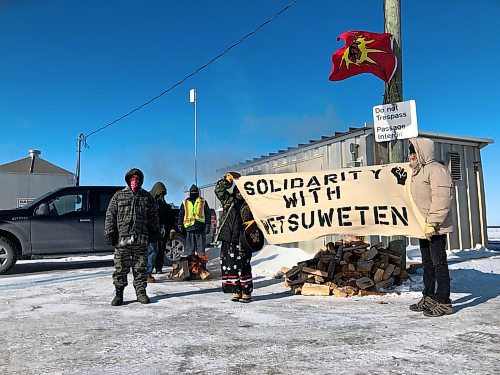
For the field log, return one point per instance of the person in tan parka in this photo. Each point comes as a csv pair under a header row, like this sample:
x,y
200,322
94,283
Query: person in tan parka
x,y
431,187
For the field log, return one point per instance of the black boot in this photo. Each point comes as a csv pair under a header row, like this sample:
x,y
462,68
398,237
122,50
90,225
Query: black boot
x,y
143,298
118,300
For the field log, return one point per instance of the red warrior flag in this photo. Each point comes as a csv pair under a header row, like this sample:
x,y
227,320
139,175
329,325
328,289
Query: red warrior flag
x,y
364,52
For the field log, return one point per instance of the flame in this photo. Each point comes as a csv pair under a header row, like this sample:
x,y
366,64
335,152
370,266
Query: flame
x,y
196,263
362,45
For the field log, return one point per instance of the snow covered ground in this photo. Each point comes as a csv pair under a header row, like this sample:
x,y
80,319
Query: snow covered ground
x,y
56,318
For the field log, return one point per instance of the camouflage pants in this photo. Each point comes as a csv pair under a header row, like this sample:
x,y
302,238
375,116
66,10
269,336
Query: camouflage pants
x,y
135,257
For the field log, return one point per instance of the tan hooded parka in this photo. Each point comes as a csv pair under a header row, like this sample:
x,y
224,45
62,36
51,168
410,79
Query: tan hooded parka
x,y
431,186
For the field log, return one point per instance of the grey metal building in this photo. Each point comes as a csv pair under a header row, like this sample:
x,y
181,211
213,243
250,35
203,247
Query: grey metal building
x,y
357,147
26,179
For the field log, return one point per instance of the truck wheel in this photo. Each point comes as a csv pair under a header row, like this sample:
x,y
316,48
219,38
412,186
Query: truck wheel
x,y
174,248
8,255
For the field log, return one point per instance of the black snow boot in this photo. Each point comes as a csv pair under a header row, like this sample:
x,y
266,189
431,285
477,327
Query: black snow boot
x,y
143,298
118,300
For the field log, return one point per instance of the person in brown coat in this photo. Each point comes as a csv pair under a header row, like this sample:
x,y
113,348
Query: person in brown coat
x,y
431,187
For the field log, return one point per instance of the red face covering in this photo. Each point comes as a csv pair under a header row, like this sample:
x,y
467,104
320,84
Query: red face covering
x,y
135,183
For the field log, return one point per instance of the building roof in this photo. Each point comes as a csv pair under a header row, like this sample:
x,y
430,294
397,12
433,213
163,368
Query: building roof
x,y
40,166
481,142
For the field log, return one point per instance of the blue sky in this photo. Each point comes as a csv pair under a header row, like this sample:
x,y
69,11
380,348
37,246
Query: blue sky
x,y
70,66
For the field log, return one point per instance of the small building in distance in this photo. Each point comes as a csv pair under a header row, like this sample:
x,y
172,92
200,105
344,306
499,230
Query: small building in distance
x,y
26,179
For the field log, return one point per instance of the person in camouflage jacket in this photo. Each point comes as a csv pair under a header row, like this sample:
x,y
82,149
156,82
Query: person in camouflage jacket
x,y
131,223
235,260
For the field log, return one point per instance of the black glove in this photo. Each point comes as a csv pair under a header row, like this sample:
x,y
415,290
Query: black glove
x,y
112,239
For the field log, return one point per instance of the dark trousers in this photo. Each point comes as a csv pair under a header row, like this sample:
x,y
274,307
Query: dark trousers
x,y
236,269
135,257
436,274
195,243
160,255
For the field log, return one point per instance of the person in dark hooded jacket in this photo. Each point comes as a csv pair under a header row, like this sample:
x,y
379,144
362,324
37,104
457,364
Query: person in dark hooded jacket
x,y
166,217
131,223
235,260
194,220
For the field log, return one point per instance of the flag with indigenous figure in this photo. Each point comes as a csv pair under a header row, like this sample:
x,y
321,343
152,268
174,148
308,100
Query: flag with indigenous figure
x,y
364,52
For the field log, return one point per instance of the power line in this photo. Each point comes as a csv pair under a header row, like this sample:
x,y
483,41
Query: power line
x,y
196,71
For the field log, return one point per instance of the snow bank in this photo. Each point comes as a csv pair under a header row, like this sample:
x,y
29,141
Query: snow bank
x,y
271,258
413,254
494,233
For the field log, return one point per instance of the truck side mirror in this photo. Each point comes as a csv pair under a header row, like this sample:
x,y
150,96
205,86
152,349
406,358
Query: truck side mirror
x,y
43,210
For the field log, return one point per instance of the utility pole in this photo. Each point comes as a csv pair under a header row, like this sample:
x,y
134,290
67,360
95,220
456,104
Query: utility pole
x,y
394,94
80,139
192,99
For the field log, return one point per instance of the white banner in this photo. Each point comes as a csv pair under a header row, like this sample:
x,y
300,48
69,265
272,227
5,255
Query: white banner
x,y
374,200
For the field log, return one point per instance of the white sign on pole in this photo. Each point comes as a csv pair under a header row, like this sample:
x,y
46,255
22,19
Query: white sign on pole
x,y
395,121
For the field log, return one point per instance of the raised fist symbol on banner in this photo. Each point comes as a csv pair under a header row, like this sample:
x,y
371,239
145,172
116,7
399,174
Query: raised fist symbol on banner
x,y
400,174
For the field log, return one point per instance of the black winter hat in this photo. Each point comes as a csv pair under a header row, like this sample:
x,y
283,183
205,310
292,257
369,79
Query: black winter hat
x,y
194,189
134,171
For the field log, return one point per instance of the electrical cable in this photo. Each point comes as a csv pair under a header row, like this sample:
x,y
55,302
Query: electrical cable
x,y
193,73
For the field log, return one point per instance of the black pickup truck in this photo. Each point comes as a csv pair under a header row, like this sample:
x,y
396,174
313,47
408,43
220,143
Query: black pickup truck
x,y
67,221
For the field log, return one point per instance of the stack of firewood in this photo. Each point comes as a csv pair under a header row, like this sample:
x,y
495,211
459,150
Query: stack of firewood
x,y
189,268
346,269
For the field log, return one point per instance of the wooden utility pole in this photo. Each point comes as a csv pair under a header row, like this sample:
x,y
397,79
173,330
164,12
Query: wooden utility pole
x,y
394,94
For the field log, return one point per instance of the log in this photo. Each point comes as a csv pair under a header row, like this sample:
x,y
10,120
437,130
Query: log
x,y
361,246
349,290
378,245
319,279
331,284
315,290
313,271
397,271
346,255
350,274
337,292
364,283
384,261
379,274
295,270
331,268
285,269
393,257
388,271
204,274
364,266
370,254
301,280
370,293
351,267
181,271
384,284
